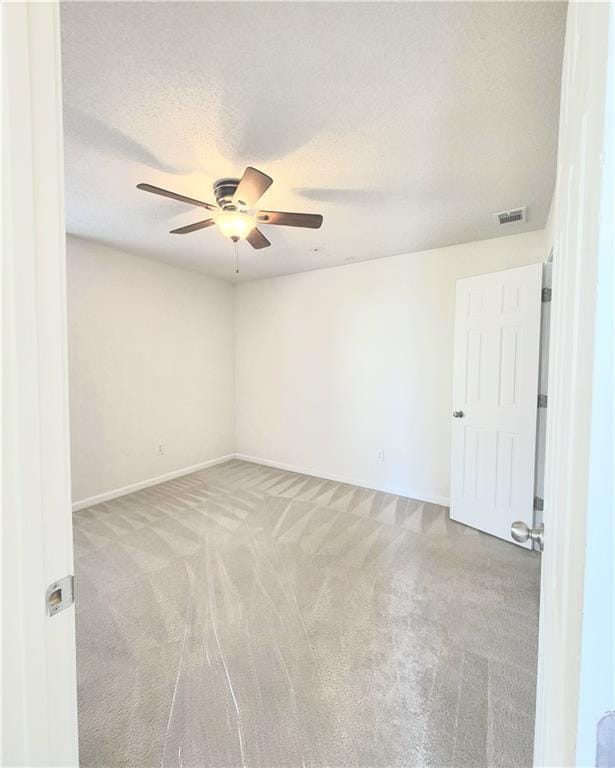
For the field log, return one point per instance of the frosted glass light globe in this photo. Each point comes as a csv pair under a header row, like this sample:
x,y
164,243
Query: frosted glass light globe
x,y
235,225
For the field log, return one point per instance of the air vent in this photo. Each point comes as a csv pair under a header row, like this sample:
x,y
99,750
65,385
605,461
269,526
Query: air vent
x,y
510,217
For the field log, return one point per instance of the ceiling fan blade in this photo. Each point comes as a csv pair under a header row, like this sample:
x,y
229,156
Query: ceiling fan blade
x,y
252,186
257,239
311,220
175,196
193,227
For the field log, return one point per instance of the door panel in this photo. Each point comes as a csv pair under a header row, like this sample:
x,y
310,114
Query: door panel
x,y
474,344
506,461
495,385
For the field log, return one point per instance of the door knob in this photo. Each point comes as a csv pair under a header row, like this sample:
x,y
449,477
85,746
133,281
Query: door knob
x,y
522,532
458,414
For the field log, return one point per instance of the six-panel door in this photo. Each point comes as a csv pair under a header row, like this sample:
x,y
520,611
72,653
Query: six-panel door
x,y
495,388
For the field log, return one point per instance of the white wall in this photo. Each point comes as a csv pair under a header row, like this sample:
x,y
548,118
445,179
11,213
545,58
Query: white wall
x,y
317,371
334,365
150,362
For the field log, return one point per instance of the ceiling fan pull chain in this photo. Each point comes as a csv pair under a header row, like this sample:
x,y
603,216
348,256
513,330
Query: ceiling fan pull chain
x,y
236,258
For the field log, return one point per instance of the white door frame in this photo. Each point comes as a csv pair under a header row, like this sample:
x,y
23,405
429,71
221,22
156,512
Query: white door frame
x,y
40,721
39,714
577,225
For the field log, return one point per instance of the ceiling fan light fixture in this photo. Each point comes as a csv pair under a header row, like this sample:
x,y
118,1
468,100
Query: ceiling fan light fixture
x,y
235,225
234,213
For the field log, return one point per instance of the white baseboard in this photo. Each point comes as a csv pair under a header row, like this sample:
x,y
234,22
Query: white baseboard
x,y
384,487
77,505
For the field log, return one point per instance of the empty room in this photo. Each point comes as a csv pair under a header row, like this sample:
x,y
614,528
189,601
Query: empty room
x,y
309,384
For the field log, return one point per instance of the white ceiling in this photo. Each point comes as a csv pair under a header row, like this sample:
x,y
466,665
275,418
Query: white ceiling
x,y
405,124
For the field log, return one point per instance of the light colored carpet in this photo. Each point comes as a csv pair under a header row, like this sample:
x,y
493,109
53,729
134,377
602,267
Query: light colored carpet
x,y
246,616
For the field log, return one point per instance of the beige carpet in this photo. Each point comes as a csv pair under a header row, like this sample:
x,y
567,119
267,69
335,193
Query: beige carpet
x,y
246,616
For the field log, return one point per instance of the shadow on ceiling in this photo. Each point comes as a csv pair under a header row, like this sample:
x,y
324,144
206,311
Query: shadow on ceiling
x,y
91,131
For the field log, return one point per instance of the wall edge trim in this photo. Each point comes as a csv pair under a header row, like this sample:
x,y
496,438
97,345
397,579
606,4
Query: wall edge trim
x,y
383,487
310,471
125,490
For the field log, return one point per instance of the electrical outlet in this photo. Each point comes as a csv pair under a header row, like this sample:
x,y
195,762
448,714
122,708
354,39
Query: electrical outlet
x,y
161,449
380,454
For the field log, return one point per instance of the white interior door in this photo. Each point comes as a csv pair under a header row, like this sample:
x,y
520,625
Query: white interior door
x,y
495,387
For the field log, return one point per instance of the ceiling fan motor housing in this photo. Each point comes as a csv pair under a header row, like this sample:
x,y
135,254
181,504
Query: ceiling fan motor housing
x,y
224,189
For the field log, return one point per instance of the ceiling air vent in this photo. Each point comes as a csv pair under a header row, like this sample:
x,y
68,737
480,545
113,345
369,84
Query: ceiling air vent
x,y
510,217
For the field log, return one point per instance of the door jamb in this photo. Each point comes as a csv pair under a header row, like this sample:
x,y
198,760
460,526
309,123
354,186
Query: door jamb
x,y
39,715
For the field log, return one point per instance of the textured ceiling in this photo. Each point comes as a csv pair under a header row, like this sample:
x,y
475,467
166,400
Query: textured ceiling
x,y
405,124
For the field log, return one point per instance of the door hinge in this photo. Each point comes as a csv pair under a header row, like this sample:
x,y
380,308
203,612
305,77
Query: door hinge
x,y
542,401
60,595
539,504
546,295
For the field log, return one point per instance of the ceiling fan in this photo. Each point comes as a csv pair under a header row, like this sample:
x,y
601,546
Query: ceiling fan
x,y
235,214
